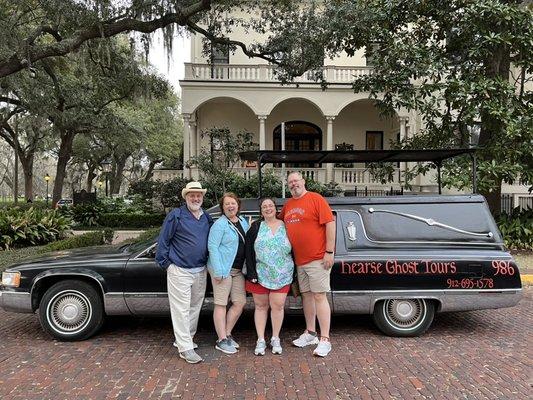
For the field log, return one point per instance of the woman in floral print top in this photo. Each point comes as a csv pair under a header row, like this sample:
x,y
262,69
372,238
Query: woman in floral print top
x,y
269,272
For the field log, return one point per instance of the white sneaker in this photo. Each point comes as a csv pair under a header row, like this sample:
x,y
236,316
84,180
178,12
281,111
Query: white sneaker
x,y
191,357
323,348
260,347
275,343
305,339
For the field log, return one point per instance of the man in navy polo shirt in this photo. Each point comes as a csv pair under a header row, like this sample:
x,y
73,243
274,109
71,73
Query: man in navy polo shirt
x,y
182,251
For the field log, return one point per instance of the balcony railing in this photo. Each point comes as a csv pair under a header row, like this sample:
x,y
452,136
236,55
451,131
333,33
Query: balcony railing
x,y
265,73
345,177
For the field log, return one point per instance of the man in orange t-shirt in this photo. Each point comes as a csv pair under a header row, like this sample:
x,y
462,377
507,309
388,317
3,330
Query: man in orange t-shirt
x,y
310,226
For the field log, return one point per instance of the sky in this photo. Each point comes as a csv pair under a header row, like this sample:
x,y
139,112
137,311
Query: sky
x,y
174,70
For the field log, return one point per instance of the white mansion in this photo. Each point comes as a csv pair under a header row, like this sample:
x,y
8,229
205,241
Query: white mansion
x,y
234,91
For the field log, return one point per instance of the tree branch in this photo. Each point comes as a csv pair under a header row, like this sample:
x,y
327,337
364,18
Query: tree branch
x,y
9,100
221,40
17,62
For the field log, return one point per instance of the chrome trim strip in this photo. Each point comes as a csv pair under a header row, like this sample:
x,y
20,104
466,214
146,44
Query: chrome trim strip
x,y
418,242
16,301
115,304
410,292
145,294
431,222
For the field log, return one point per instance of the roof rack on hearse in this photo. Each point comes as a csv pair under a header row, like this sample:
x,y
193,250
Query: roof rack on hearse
x,y
435,156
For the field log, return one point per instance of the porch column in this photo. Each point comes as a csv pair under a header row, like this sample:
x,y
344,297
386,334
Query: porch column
x,y
193,144
186,145
329,146
403,127
403,136
262,133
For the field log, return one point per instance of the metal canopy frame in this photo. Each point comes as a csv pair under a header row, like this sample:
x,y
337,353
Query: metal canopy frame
x,y
435,156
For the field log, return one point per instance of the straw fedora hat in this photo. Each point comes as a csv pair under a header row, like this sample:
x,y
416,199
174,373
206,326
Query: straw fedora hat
x,y
192,187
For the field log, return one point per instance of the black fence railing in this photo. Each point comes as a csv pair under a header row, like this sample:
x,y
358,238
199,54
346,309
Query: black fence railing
x,y
360,192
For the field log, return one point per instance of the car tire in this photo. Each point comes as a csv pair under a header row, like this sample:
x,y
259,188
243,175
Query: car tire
x,y
71,310
404,317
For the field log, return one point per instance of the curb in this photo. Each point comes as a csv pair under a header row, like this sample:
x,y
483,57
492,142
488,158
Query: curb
x,y
527,279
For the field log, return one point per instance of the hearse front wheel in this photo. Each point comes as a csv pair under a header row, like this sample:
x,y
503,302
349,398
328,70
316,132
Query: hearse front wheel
x,y
404,317
71,310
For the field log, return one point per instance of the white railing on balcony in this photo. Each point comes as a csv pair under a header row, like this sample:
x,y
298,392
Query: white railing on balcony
x,y
265,73
355,176
347,178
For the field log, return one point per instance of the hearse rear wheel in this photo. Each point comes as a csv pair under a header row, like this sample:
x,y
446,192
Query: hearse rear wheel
x,y
404,317
71,310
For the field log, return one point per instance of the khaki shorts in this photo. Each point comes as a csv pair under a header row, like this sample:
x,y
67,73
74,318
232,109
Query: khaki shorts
x,y
313,277
232,286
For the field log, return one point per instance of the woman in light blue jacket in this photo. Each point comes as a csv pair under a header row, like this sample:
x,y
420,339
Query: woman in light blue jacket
x,y
225,264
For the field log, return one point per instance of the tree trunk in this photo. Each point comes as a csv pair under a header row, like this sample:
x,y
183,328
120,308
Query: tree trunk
x,y
150,172
65,152
27,167
497,66
118,174
90,177
494,200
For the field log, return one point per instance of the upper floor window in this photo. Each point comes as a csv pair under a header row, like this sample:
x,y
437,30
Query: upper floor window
x,y
219,53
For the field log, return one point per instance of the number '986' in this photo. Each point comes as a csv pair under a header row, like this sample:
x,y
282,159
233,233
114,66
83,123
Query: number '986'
x,y
503,267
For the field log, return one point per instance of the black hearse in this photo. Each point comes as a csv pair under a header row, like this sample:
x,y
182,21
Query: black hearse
x,y
399,258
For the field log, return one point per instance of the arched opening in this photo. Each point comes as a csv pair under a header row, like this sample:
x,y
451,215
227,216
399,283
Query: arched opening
x,y
299,135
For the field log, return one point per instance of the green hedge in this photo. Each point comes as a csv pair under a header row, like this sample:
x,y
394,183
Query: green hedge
x,y
94,238
121,220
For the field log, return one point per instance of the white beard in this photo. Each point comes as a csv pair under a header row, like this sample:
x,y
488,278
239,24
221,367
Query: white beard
x,y
193,206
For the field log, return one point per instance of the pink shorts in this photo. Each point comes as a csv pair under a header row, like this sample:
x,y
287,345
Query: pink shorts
x,y
258,289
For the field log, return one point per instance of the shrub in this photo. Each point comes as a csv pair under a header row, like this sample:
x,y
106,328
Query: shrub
x,y
517,229
123,220
93,238
20,228
87,214
10,257
331,189
108,235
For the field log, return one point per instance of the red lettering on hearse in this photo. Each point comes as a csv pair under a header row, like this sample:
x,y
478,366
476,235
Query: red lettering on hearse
x,y
397,267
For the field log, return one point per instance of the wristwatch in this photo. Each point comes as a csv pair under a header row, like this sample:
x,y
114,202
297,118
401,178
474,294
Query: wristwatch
x,y
329,252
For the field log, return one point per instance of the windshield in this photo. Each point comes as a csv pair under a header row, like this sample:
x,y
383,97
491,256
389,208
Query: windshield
x,y
138,246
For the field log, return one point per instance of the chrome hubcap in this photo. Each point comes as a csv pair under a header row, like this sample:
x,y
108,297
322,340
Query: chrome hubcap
x,y
69,312
405,313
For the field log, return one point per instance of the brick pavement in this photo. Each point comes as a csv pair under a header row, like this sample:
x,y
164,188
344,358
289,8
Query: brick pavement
x,y
474,355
